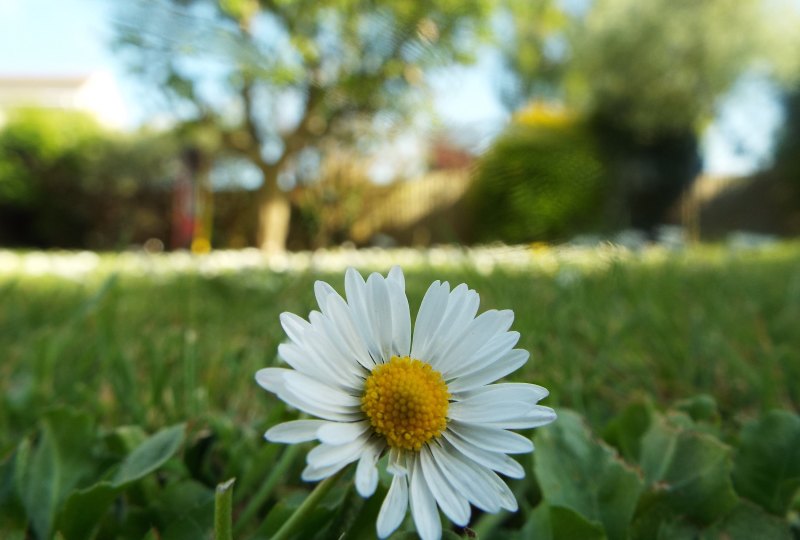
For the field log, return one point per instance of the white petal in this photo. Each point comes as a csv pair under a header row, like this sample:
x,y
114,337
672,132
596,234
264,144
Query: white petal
x,y
380,314
312,473
431,311
502,367
492,438
491,460
298,357
295,431
465,478
462,305
423,506
271,379
356,290
401,318
320,408
452,504
483,410
397,464
396,275
342,319
483,481
536,417
324,455
313,390
394,507
341,433
366,471
294,326
479,332
322,290
510,392
484,356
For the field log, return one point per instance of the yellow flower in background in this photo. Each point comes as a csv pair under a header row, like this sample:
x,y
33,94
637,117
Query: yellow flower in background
x,y
428,401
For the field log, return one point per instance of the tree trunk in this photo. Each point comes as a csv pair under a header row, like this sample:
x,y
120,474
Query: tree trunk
x,y
274,213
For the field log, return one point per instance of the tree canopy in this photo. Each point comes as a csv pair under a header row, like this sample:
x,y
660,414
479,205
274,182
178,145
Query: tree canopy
x,y
272,80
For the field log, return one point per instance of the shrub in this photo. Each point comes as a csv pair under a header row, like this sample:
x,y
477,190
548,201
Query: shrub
x,y
538,182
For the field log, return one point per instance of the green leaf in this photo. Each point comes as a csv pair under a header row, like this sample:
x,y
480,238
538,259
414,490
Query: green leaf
x,y
702,408
557,522
578,472
747,521
150,455
689,470
625,431
46,472
186,508
767,465
84,509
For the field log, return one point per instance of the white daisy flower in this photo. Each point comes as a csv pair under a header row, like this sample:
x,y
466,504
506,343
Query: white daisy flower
x,y
427,401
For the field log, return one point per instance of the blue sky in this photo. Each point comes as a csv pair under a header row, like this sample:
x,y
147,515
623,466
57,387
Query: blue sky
x,y
49,37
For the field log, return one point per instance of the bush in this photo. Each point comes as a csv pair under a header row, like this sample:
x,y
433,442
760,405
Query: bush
x,y
538,183
66,182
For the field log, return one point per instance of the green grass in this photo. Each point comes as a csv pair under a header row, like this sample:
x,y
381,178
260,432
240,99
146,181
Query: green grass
x,y
181,347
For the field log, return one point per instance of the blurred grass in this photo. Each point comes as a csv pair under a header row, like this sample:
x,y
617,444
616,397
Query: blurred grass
x,y
133,349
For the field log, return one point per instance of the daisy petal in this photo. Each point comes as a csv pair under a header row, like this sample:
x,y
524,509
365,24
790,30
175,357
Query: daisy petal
x,y
491,460
423,505
433,306
491,438
452,504
465,478
296,431
536,417
462,305
479,332
340,432
322,290
509,392
401,318
366,472
480,410
356,289
271,379
485,375
394,506
324,455
380,315
308,387
294,326
314,474
341,315
396,275
485,355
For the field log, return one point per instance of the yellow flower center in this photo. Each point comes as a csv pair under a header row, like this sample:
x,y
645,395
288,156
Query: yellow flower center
x,y
406,401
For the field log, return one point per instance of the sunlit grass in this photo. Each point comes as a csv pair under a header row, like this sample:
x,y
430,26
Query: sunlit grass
x,y
154,340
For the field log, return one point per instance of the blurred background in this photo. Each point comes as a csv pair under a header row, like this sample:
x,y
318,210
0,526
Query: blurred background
x,y
297,125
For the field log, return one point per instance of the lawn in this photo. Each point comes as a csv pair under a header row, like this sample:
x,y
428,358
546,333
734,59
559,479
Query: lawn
x,y
166,339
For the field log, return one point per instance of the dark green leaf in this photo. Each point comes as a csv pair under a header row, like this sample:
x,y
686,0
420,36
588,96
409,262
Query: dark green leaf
x,y
84,509
767,466
578,472
47,471
689,470
150,455
557,523
625,430
747,521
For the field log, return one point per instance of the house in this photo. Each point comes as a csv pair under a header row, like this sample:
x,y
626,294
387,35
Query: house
x,y
96,93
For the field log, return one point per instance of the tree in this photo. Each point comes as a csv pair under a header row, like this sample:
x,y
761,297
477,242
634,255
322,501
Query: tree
x,y
271,80
648,76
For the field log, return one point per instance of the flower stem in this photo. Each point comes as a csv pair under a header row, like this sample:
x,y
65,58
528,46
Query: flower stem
x,y
223,502
308,505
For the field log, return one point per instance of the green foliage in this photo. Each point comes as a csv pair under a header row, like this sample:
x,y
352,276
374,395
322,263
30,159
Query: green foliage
x,y
679,58
641,456
65,182
680,487
538,183
60,475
